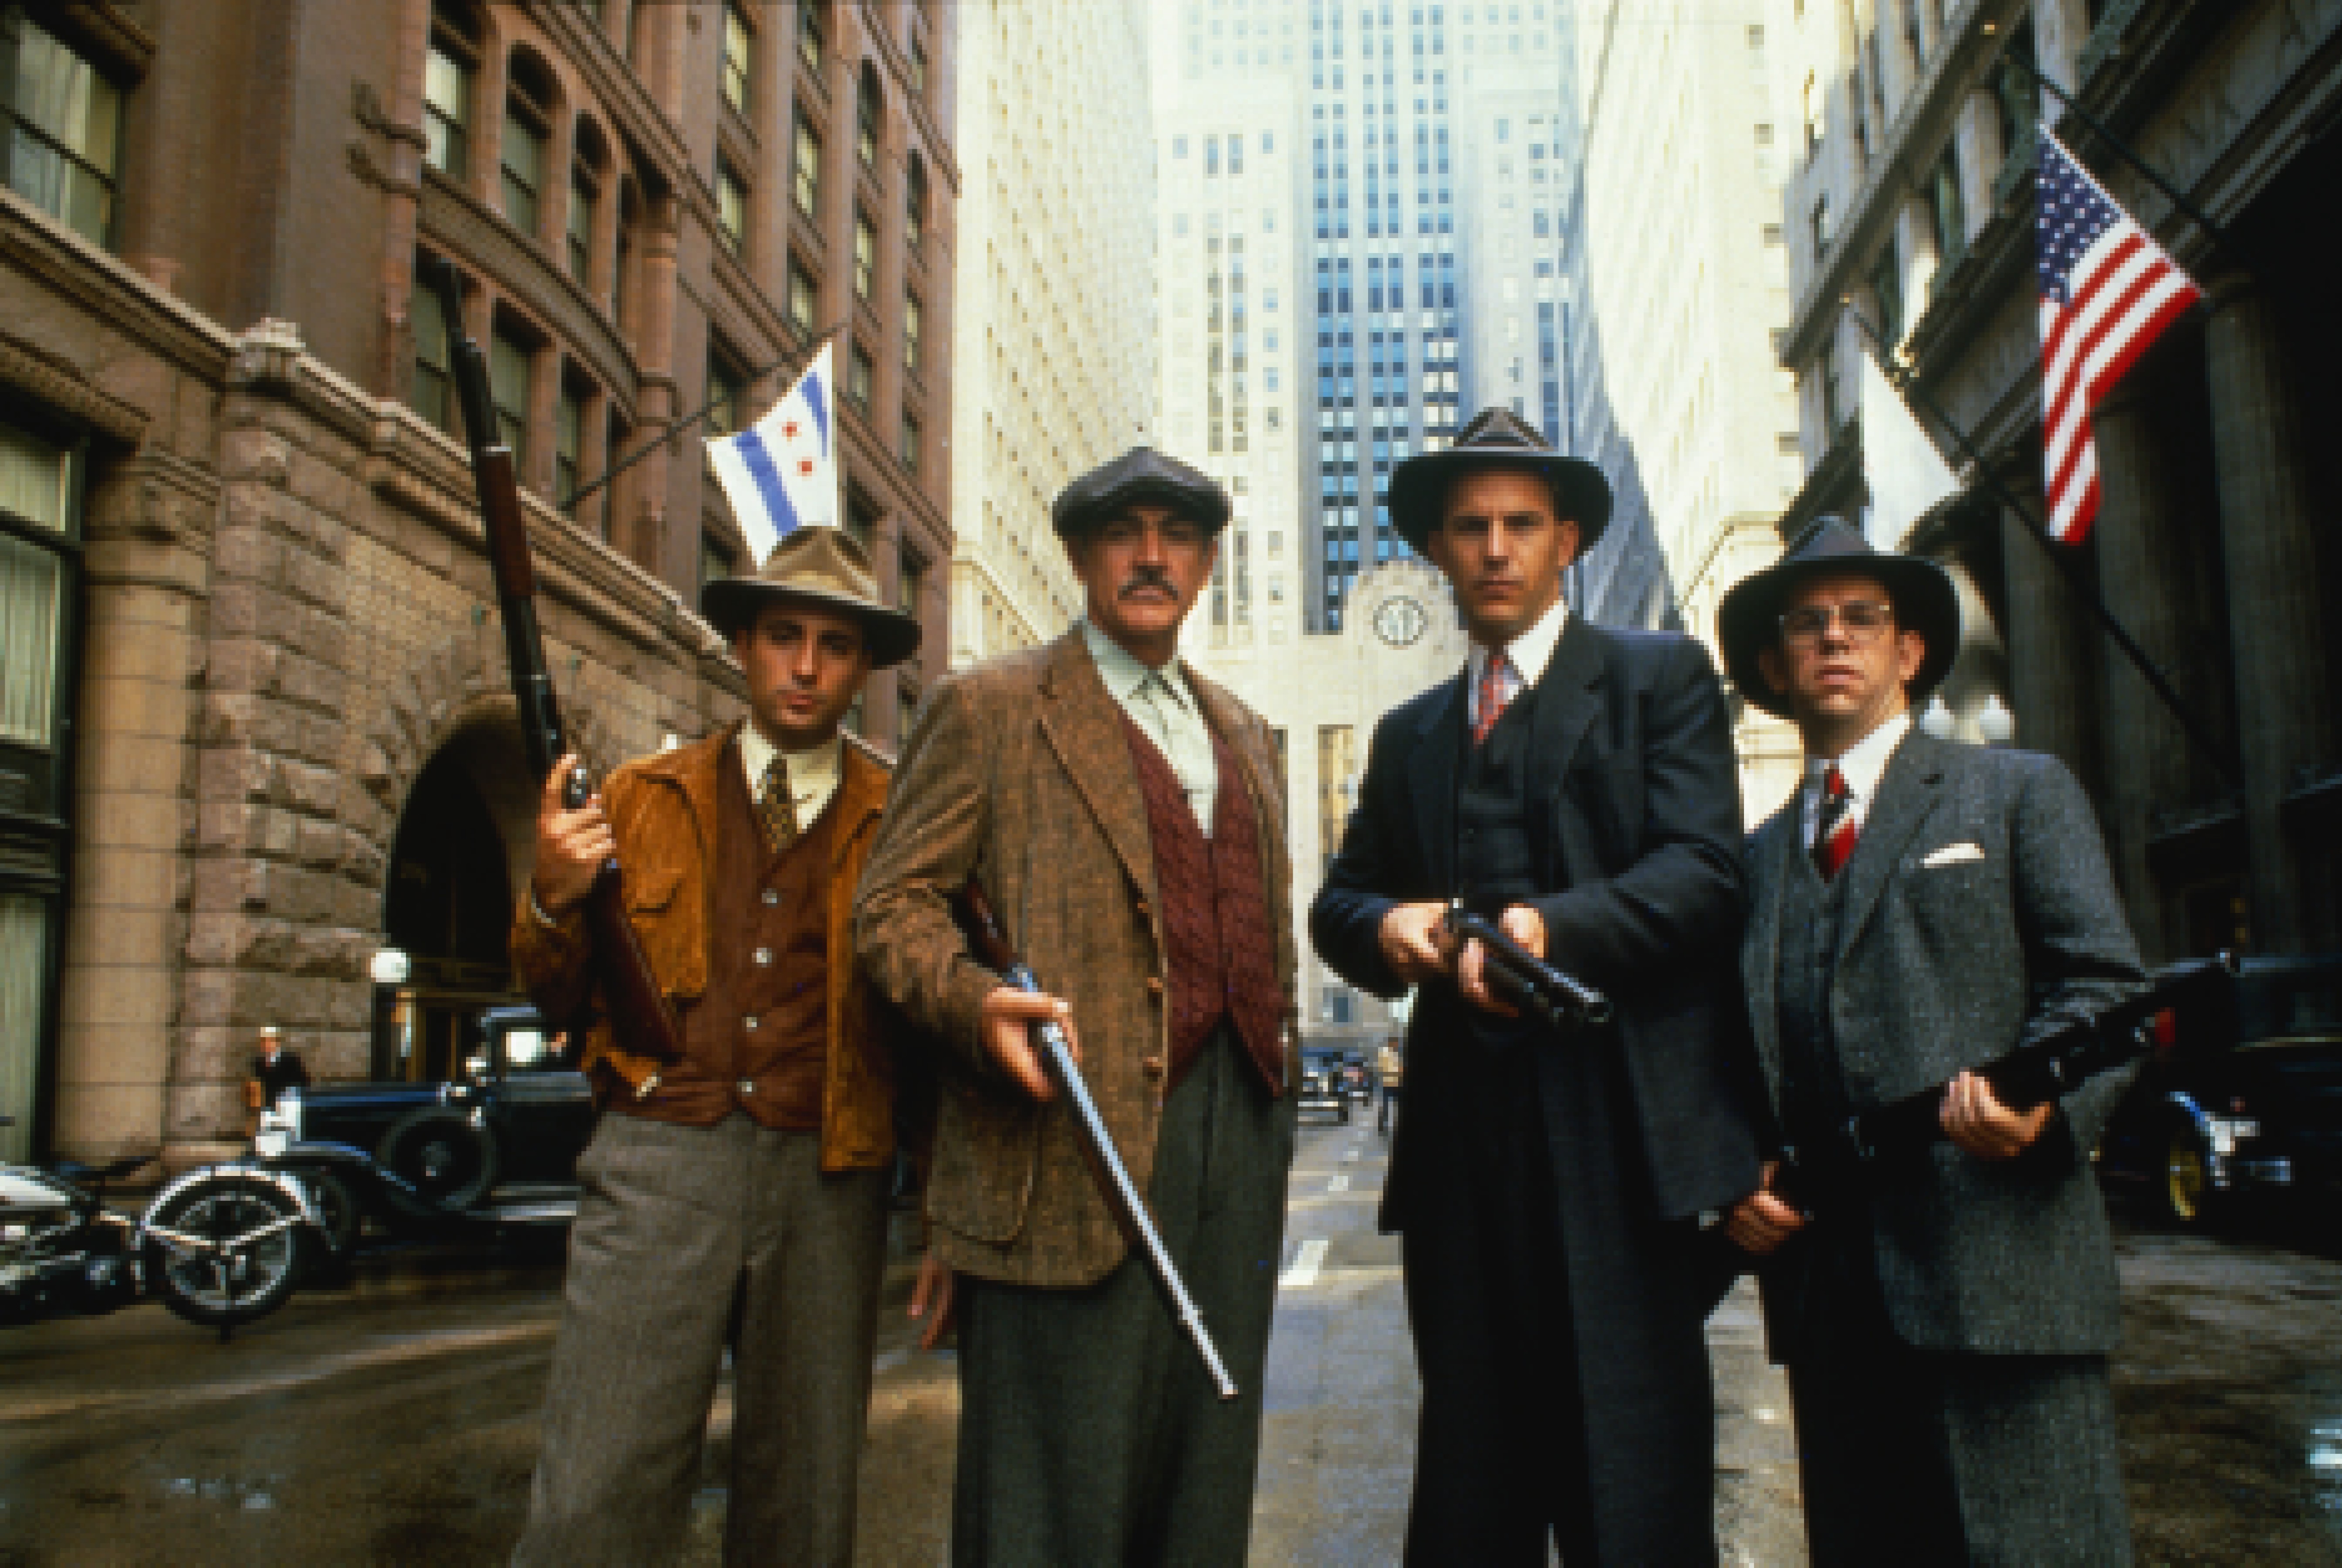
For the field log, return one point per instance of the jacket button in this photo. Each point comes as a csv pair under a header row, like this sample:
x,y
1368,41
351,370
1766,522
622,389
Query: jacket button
x,y
771,897
1142,907
747,1086
749,1021
1152,1066
761,956
1154,985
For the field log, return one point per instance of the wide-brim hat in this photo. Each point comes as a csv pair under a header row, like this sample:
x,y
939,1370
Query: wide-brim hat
x,y
818,565
1497,438
1141,474
1748,620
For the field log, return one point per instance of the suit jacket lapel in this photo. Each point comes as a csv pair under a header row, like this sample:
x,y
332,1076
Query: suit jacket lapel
x,y
1431,772
1566,707
1221,716
1776,841
1907,793
1083,723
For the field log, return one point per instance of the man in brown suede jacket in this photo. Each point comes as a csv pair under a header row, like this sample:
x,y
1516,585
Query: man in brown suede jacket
x,y
1127,817
751,1176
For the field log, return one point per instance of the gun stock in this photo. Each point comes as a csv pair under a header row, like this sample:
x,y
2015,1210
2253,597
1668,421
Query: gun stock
x,y
1090,1135
638,1010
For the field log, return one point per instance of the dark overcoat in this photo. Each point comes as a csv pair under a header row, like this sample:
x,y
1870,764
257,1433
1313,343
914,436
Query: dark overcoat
x,y
1634,824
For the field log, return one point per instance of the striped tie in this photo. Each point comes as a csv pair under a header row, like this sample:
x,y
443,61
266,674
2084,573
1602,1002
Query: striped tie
x,y
1835,830
1493,696
779,807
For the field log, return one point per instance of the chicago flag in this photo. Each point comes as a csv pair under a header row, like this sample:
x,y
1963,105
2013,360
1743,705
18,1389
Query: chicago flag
x,y
781,472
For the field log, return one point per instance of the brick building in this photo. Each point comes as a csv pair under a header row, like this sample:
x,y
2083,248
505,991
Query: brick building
x,y
253,725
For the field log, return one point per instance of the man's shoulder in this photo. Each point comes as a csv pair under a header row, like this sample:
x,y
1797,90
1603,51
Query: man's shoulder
x,y
1646,653
1002,677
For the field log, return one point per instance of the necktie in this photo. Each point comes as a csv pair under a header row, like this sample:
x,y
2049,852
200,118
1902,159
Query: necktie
x,y
1493,696
779,807
1834,830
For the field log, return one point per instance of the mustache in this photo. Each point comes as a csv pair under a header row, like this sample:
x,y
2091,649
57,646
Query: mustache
x,y
1146,577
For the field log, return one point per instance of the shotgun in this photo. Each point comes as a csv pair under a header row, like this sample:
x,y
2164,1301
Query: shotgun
x,y
638,1013
1520,977
1090,1135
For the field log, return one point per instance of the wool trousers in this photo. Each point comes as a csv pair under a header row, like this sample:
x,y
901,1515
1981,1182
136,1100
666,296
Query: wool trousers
x,y
1089,1432
675,1225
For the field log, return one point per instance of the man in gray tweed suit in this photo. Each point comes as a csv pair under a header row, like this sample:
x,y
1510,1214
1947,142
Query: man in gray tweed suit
x,y
1920,909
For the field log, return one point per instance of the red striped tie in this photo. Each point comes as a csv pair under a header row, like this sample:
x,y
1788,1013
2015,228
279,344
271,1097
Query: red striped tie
x,y
1493,696
1835,830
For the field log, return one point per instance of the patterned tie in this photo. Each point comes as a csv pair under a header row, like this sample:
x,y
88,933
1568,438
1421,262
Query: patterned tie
x,y
1835,830
779,807
1493,696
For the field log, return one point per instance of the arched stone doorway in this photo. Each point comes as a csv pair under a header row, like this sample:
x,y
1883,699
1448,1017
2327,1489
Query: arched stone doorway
x,y
457,863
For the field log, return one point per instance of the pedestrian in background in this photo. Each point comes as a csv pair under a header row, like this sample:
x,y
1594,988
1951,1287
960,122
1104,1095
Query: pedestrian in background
x,y
1547,1191
275,1069
740,1193
1920,909
1127,817
1390,1067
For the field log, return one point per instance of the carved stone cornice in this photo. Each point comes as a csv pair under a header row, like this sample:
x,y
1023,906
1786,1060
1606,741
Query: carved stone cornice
x,y
103,286
107,30
55,382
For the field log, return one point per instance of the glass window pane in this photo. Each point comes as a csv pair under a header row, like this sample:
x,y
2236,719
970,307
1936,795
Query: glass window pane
x,y
33,476
30,583
429,392
23,946
447,112
508,369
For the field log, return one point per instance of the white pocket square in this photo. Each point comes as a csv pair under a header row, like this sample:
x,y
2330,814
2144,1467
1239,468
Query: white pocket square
x,y
1952,855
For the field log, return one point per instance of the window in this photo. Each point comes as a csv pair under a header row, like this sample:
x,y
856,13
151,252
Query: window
x,y
568,438
810,35
910,584
447,72
866,117
731,208
865,255
715,559
804,297
727,393
858,376
911,314
508,375
583,193
428,390
65,129
919,63
806,171
914,202
910,451
1944,200
1887,284
524,148
739,45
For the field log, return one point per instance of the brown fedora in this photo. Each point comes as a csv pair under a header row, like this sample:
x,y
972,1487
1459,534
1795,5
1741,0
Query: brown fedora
x,y
818,565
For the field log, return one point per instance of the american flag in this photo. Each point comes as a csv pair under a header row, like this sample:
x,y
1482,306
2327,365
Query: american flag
x,y
2107,291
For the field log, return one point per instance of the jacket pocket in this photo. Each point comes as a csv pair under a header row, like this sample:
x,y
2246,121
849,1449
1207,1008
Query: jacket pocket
x,y
986,1153
650,891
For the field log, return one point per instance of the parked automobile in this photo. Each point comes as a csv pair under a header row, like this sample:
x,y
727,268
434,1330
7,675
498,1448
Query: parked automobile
x,y
496,1147
2244,1105
1357,1077
1321,1082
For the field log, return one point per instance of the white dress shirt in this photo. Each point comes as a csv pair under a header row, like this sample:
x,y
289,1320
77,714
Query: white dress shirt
x,y
1161,703
813,775
1526,657
1863,764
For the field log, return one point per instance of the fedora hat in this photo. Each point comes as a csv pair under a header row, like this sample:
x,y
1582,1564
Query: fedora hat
x,y
1748,621
1497,438
1139,475
822,566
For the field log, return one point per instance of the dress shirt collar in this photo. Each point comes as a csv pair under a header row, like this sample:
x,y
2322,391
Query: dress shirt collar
x,y
1865,761
1529,653
813,774
1125,675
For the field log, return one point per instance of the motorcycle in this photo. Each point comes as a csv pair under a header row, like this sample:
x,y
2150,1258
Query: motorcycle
x,y
220,1246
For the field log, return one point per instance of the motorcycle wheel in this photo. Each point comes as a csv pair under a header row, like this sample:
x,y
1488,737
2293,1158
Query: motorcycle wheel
x,y
241,1281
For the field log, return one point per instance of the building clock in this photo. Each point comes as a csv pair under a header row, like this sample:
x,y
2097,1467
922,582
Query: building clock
x,y
1399,620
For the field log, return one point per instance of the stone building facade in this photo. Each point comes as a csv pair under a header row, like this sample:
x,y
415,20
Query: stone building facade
x,y
2215,542
255,726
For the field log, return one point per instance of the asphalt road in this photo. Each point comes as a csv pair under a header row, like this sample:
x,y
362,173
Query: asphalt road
x,y
395,1420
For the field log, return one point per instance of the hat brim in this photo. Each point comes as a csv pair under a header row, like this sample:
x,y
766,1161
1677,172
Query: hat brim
x,y
1418,490
732,603
1748,620
1206,506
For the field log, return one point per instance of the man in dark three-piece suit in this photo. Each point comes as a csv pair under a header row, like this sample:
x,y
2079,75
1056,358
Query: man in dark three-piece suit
x,y
1920,909
1548,1189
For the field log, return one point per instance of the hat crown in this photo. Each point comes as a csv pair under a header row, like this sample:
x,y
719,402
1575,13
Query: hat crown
x,y
822,560
1498,429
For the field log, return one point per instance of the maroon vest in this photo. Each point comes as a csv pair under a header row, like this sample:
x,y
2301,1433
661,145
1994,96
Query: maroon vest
x,y
1215,912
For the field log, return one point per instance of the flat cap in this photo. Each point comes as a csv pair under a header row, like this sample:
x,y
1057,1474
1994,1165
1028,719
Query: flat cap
x,y
1139,475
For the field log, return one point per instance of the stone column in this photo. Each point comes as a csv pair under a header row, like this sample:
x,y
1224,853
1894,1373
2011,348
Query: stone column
x,y
2049,666
2284,692
2137,537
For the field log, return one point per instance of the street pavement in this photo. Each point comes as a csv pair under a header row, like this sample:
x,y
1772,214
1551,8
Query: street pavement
x,y
395,1420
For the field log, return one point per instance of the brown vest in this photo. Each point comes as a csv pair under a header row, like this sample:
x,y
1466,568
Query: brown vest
x,y
758,1040
1214,912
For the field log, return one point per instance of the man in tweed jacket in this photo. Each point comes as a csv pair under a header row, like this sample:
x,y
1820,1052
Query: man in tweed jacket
x,y
1126,818
1920,909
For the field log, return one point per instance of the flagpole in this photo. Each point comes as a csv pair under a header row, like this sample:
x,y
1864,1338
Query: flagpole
x,y
2223,761
2122,149
677,427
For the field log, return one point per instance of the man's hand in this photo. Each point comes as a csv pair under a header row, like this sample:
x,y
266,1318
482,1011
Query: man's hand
x,y
1413,944
571,846
1009,1016
1524,925
1975,1121
1761,1222
934,1298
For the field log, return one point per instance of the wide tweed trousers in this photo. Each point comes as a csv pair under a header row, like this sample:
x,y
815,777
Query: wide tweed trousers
x,y
1089,1432
673,1225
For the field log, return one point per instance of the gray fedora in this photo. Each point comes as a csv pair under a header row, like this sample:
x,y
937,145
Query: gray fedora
x,y
816,565
1748,620
1497,438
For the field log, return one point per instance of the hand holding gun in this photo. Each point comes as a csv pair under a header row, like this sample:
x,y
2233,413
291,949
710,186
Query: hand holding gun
x,y
1090,1135
1520,978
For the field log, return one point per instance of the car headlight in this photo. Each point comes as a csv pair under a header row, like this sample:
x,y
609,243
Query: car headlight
x,y
2227,1132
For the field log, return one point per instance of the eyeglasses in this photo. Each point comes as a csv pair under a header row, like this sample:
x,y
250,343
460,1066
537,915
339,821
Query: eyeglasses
x,y
1864,622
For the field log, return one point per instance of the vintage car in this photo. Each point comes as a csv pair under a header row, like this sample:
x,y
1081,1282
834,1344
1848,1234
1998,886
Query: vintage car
x,y
497,1146
1322,1088
2243,1107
